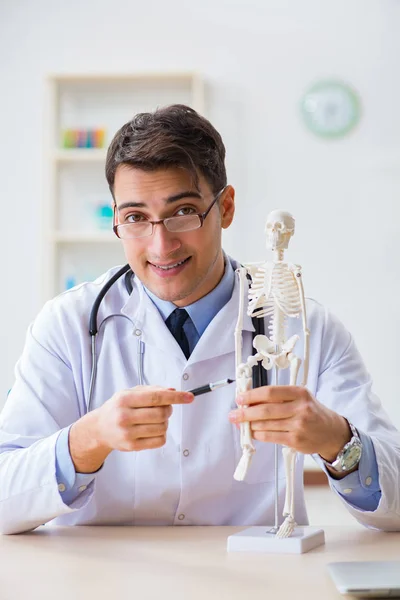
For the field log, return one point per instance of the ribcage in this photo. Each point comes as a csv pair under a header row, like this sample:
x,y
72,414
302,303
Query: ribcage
x,y
274,286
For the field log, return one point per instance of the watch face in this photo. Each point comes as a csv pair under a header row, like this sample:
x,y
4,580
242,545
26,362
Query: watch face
x,y
351,456
331,108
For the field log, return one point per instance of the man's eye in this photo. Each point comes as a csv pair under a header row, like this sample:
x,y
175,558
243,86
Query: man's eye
x,y
185,210
134,218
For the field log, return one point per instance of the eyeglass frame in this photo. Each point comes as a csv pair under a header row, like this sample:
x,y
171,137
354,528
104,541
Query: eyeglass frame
x,y
202,217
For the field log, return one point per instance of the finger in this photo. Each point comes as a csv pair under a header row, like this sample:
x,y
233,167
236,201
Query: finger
x,y
260,412
143,416
271,393
273,437
148,431
278,425
144,444
149,396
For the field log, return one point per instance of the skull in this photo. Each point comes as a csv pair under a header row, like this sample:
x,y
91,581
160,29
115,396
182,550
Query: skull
x,y
279,229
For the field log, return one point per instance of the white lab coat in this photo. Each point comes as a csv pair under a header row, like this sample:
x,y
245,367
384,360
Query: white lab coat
x,y
167,486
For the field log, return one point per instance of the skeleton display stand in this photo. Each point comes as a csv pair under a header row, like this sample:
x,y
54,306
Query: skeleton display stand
x,y
276,292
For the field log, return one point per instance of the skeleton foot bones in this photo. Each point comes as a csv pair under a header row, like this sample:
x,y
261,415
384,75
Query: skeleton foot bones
x,y
276,292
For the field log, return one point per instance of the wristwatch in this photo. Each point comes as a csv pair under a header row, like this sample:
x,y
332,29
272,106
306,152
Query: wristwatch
x,y
350,454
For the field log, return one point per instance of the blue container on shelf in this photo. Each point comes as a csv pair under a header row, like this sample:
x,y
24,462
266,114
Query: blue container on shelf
x,y
104,216
70,282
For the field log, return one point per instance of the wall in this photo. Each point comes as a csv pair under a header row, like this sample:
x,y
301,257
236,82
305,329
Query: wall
x,y
257,58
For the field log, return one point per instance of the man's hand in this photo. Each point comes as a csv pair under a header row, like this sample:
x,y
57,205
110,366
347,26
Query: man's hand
x,y
291,416
132,420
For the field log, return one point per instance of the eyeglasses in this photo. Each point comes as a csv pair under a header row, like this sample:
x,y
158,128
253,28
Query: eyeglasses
x,y
173,224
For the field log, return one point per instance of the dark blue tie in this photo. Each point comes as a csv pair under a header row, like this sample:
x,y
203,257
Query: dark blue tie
x,y
175,323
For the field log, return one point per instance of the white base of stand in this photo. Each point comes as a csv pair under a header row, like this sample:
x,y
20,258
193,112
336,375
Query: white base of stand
x,y
257,539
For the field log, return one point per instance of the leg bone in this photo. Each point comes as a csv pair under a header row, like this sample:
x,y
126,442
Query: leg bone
x,y
289,456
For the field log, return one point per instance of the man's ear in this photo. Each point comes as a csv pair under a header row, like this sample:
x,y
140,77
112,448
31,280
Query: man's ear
x,y
227,206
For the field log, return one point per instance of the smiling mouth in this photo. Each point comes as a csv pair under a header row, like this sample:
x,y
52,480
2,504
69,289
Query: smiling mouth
x,y
172,266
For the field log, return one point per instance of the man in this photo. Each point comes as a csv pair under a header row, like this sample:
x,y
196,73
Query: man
x,y
148,452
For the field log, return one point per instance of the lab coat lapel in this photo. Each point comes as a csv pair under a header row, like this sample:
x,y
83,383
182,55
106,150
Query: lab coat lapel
x,y
149,324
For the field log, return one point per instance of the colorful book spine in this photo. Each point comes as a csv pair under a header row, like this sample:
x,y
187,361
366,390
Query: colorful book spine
x,y
84,138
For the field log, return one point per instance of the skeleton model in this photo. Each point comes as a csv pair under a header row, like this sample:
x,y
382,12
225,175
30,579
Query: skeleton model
x,y
276,292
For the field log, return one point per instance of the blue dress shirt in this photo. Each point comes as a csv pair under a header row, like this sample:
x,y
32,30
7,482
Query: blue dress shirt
x,y
360,488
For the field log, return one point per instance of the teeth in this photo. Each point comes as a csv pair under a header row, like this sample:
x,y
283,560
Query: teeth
x,y
170,266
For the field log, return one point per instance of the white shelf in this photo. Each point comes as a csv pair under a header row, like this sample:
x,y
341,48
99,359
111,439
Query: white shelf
x,y
70,237
80,155
188,76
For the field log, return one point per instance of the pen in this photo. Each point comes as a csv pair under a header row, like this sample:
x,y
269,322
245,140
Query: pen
x,y
210,387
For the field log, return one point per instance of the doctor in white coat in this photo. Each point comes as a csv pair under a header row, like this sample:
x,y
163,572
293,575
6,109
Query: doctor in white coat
x,y
148,452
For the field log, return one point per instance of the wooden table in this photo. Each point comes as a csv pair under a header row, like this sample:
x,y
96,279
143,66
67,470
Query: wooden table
x,y
179,563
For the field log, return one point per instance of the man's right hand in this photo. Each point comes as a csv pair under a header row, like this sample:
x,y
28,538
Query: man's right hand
x,y
132,420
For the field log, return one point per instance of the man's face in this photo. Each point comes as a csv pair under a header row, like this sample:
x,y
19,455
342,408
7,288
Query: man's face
x,y
155,195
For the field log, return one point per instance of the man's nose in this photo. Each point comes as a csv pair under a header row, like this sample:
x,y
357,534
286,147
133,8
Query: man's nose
x,y
164,242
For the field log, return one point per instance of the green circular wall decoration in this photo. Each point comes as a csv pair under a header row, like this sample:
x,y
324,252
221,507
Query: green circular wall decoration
x,y
331,108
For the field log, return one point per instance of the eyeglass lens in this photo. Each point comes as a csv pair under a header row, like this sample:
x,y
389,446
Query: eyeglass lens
x,y
173,224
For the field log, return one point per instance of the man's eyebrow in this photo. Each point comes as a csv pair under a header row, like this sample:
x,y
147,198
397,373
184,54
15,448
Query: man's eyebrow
x,y
169,200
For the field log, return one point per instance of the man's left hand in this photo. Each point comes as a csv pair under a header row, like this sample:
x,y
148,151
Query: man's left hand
x,y
291,416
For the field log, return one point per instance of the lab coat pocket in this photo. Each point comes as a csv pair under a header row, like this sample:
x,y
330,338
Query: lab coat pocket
x,y
261,469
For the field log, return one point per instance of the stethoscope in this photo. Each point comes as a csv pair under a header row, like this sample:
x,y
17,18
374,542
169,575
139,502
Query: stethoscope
x,y
259,373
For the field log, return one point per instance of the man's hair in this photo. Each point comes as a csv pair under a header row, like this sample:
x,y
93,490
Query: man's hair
x,y
173,136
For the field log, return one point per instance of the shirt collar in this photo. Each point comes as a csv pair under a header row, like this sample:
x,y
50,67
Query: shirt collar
x,y
203,310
